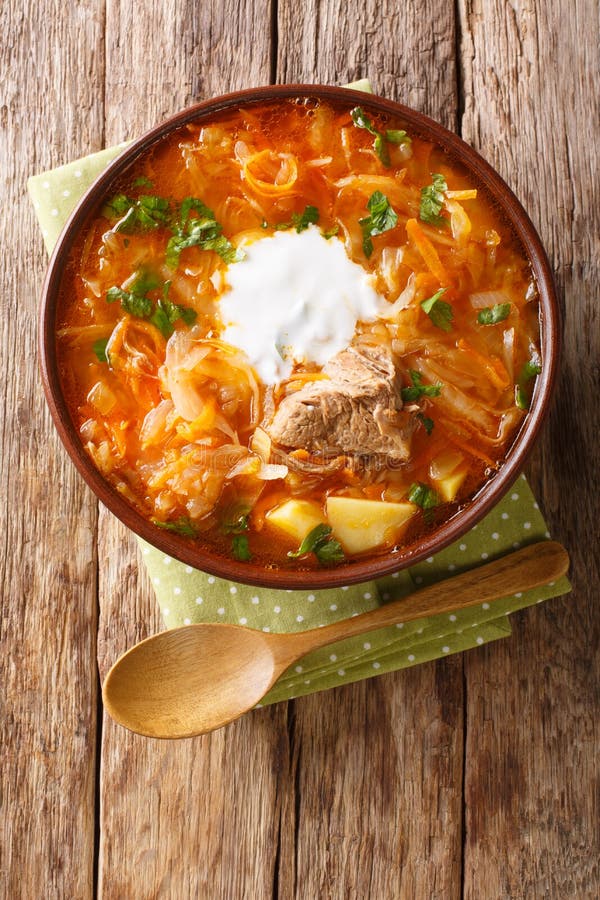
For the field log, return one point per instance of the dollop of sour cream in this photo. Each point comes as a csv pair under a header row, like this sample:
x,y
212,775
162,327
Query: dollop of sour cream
x,y
295,298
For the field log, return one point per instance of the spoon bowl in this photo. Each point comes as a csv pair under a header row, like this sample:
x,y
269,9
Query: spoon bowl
x,y
194,679
146,680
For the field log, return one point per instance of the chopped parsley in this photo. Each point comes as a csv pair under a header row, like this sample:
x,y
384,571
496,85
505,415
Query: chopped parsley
x,y
425,497
432,200
136,302
330,232
201,231
522,391
167,313
183,525
397,136
145,213
319,541
491,315
237,520
393,136
149,211
383,218
426,422
438,311
142,181
418,389
310,216
300,221
99,348
240,548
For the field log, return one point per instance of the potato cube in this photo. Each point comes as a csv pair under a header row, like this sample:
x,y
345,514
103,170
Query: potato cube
x,y
296,517
361,525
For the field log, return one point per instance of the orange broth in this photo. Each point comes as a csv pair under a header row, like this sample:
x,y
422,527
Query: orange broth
x,y
199,468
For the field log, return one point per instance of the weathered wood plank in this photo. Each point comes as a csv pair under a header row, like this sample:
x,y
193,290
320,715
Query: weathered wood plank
x,y
531,76
48,517
378,765
407,55
195,818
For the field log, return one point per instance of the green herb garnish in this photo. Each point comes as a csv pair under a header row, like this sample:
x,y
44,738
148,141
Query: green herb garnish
x,y
490,315
361,120
392,136
418,389
167,313
240,548
181,526
383,218
237,520
426,422
135,304
397,136
310,216
522,392
330,232
318,541
201,231
141,181
145,213
135,301
425,497
99,348
300,221
432,200
438,311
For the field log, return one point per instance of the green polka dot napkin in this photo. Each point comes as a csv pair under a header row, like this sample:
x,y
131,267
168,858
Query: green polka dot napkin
x,y
186,595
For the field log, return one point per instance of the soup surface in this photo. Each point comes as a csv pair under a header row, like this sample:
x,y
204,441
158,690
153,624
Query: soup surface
x,y
299,334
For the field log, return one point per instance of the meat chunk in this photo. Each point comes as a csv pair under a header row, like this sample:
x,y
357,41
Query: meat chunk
x,y
356,410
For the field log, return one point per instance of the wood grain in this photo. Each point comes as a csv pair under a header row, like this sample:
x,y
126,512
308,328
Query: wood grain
x,y
378,771
532,82
195,818
408,56
377,810
47,670
358,792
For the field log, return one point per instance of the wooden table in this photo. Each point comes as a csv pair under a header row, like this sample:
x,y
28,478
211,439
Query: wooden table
x,y
473,776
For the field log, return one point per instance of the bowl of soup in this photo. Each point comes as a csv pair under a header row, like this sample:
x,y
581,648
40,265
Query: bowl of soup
x,y
299,336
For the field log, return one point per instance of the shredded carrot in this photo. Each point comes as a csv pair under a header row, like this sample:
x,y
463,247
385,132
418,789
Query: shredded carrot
x,y
282,166
492,365
462,195
427,250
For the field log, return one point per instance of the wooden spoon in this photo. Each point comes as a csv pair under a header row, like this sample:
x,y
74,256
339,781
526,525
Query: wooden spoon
x,y
190,680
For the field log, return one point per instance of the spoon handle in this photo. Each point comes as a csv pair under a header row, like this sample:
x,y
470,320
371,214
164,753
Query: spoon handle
x,y
522,570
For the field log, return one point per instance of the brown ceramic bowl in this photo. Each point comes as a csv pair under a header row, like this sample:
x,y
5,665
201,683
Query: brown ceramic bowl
x,y
204,557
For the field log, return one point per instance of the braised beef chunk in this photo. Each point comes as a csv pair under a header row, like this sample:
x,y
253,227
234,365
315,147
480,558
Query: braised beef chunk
x,y
356,410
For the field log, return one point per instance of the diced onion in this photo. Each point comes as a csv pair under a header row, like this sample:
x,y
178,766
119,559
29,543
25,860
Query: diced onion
x,y
102,398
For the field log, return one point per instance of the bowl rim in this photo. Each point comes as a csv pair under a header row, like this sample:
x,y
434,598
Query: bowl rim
x,y
206,557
